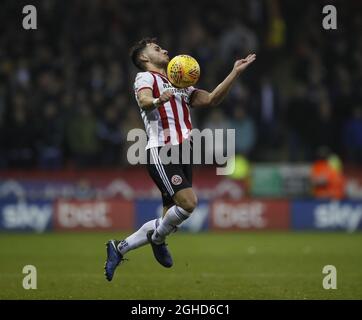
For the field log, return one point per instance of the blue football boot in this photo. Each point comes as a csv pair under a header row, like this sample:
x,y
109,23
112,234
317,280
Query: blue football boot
x,y
160,251
114,258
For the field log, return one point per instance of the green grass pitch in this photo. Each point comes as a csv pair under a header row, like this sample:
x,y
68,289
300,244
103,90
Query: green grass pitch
x,y
243,265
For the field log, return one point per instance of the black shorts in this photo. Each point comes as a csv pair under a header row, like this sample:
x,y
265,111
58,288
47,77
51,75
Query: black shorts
x,y
170,177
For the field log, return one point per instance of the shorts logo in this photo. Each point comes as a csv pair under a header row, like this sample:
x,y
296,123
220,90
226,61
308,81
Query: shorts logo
x,y
176,180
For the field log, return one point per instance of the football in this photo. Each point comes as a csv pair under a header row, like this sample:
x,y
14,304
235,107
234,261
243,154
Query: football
x,y
183,71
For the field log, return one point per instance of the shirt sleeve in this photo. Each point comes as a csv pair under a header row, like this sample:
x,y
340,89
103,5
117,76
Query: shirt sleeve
x,y
144,80
191,90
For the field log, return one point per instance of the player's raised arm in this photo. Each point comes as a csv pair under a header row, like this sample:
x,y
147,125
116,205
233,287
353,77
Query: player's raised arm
x,y
148,102
202,98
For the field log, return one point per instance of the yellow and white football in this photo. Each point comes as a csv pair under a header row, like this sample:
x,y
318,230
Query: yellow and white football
x,y
183,71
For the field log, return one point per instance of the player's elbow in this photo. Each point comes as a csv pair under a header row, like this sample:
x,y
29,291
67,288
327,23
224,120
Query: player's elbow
x,y
145,105
212,101
213,104
207,102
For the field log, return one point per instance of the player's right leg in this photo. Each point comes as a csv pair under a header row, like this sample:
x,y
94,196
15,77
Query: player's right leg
x,y
160,250
185,202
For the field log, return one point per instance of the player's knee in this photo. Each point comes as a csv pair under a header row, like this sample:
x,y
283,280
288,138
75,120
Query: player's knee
x,y
189,203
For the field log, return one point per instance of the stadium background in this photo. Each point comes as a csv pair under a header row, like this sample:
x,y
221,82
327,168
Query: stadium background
x,y
67,103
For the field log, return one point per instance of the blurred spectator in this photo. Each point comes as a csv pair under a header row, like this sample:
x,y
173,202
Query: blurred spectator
x,y
217,120
298,116
245,133
20,136
267,114
50,138
132,121
352,136
323,128
327,179
81,134
237,41
110,135
3,161
276,28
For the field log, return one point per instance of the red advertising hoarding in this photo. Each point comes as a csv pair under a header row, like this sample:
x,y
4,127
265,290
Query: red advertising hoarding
x,y
97,215
250,215
128,183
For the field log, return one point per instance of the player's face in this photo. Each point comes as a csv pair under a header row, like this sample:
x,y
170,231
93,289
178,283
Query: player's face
x,y
156,55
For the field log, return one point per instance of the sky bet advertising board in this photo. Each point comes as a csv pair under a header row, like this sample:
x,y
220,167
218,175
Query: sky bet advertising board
x,y
327,215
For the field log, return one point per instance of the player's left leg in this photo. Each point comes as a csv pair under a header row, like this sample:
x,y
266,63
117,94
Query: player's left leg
x,y
174,216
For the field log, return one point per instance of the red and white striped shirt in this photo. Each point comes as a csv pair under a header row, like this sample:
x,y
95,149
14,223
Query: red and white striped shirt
x,y
171,122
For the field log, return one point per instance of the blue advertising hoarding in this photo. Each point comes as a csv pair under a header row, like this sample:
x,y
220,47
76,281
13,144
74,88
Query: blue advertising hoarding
x,y
326,215
26,215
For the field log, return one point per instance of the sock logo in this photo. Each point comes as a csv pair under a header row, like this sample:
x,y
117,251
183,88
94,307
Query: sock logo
x,y
176,180
123,244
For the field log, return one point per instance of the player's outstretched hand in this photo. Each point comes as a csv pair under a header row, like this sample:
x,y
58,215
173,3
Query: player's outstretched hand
x,y
165,96
242,64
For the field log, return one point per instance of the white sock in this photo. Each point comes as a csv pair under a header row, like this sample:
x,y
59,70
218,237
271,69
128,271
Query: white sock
x,y
137,239
173,217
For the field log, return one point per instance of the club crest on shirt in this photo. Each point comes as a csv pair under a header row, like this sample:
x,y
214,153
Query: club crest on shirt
x,y
176,180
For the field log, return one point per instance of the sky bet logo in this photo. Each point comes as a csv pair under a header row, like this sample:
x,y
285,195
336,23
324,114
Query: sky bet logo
x,y
338,215
25,216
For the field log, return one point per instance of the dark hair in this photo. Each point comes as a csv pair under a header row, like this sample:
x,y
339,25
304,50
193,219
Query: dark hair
x,y
137,49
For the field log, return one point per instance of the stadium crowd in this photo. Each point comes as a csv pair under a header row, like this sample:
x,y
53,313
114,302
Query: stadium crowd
x,y
66,95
